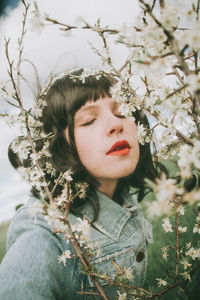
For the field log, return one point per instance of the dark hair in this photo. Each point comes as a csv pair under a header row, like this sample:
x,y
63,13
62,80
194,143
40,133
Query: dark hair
x,y
64,98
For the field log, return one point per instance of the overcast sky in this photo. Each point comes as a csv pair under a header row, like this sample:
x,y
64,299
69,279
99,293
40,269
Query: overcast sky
x,y
51,51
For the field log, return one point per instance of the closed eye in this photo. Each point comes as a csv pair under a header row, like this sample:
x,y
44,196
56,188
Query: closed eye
x,y
88,123
120,116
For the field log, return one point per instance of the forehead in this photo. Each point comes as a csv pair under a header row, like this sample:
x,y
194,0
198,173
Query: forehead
x,y
93,105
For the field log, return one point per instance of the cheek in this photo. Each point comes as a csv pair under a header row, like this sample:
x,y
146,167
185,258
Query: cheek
x,y
132,131
83,146
80,141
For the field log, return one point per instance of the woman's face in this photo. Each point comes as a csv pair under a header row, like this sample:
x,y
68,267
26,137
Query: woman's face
x,y
106,142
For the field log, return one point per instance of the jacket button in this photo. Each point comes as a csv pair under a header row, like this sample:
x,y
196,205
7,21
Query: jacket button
x,y
140,256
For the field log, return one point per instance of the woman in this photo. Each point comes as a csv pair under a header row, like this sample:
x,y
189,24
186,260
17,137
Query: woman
x,y
100,147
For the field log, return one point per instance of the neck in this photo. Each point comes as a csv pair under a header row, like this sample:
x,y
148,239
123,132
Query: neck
x,y
107,187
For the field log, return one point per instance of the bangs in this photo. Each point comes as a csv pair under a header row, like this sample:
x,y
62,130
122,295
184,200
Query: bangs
x,y
68,94
91,90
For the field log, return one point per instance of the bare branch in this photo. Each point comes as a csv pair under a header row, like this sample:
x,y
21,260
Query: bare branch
x,y
20,43
67,27
197,10
153,5
84,261
177,246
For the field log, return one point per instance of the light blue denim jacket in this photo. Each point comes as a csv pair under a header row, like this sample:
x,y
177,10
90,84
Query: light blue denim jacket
x,y
30,269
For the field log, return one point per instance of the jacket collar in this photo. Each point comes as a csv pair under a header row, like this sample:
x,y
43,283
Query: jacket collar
x,y
112,216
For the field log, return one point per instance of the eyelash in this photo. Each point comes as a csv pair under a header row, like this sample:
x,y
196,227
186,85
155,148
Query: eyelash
x,y
88,123
120,116
92,121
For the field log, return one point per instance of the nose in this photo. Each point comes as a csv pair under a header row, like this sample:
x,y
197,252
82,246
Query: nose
x,y
115,125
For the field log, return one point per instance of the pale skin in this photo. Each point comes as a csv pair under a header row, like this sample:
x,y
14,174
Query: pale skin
x,y
97,127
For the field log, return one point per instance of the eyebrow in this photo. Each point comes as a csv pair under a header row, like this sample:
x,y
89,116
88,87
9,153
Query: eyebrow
x,y
88,108
84,111
92,106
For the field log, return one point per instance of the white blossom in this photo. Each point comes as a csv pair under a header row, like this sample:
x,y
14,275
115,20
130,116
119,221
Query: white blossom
x,y
161,282
63,197
182,229
49,169
142,134
169,17
185,160
191,37
22,148
186,263
167,226
193,81
196,228
121,296
126,109
167,135
187,275
81,188
67,175
181,210
36,208
37,22
165,253
84,227
195,153
128,274
193,253
166,189
192,197
11,120
166,192
188,245
63,258
54,218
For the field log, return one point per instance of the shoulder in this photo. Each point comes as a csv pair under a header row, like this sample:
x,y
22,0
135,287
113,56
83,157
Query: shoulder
x,y
26,222
30,268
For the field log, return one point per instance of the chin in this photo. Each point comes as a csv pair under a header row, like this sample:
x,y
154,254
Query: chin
x,y
125,173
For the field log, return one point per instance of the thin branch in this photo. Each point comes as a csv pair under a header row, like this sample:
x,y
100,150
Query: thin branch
x,y
56,184
30,139
84,261
123,285
87,293
124,65
149,11
4,115
177,247
153,5
10,72
20,43
197,10
196,61
154,114
12,104
180,78
185,138
87,26
170,39
176,91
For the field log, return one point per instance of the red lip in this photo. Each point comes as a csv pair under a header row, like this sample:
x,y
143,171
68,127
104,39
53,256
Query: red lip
x,y
119,148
